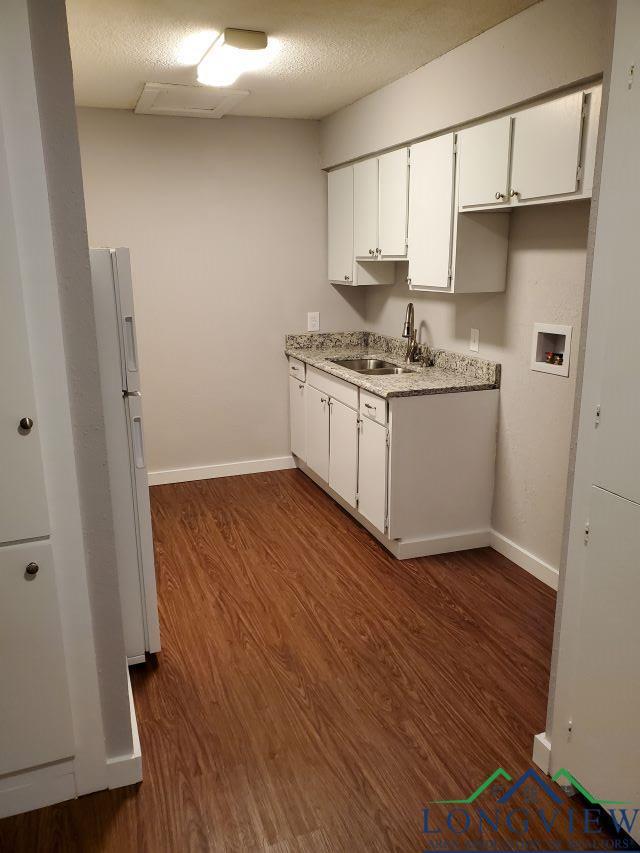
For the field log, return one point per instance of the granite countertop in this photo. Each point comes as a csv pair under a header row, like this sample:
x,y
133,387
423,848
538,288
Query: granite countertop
x,y
438,371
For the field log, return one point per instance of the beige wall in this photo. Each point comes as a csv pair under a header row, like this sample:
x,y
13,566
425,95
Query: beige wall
x,y
547,47
226,222
546,267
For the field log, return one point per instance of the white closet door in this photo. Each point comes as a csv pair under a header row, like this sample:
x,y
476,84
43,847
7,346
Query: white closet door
x,y
484,164
372,472
297,418
431,196
604,748
546,148
35,716
340,225
365,208
23,503
318,432
393,201
343,451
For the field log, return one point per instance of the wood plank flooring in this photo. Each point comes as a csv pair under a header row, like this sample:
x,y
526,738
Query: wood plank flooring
x,y
313,693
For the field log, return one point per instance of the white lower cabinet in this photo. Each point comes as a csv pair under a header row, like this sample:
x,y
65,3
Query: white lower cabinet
x,y
372,472
343,451
35,715
298,417
419,470
317,431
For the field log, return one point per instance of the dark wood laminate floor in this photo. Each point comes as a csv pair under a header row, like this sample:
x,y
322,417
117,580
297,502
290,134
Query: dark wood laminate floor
x,y
313,693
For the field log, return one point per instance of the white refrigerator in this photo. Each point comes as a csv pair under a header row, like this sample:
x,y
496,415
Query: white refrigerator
x,y
122,404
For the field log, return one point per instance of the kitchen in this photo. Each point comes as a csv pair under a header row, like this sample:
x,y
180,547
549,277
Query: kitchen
x,y
354,308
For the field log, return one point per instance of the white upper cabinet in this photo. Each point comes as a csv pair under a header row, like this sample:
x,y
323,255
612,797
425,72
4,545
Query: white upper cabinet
x,y
340,225
484,169
365,209
546,148
431,202
393,175
381,186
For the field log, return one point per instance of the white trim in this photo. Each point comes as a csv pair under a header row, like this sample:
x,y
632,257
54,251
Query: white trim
x,y
406,549
127,769
34,789
542,752
525,559
226,469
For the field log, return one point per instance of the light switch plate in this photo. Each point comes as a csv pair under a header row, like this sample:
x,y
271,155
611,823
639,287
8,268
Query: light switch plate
x,y
313,321
474,341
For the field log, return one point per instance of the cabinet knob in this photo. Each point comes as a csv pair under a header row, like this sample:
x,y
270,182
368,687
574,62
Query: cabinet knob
x,y
26,424
346,278
378,251
32,569
499,196
514,193
408,280
371,252
301,385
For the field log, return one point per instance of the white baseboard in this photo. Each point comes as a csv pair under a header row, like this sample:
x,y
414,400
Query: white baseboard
x,y
227,469
525,559
542,752
127,769
406,549
35,789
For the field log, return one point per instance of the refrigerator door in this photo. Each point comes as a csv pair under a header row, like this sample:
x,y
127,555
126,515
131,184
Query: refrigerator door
x,y
121,263
142,509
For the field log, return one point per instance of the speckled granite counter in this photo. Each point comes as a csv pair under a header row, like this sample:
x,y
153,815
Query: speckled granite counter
x,y
438,371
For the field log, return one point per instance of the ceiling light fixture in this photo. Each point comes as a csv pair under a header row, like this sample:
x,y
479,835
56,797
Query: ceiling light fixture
x,y
233,53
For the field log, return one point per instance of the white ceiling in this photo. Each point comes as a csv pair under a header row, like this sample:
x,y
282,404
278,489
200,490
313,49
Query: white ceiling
x,y
333,51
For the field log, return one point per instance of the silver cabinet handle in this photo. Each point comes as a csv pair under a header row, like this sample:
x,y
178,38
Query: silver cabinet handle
x,y
293,367
32,569
371,252
378,251
323,399
26,424
301,385
369,406
499,196
514,193
346,278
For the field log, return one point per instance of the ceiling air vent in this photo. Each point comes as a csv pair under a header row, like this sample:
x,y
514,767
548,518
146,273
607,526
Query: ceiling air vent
x,y
171,99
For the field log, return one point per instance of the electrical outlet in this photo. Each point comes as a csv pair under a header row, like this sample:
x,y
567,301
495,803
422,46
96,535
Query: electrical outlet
x,y
474,342
313,321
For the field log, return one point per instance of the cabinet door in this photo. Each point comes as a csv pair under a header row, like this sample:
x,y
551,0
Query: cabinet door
x,y
317,408
484,164
372,472
393,203
431,212
546,148
604,750
297,418
340,224
23,505
343,451
35,716
365,208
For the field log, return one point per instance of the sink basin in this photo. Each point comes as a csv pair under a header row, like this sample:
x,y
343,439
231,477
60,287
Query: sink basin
x,y
371,366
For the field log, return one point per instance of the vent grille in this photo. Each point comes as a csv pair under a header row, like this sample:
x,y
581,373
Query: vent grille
x,y
174,99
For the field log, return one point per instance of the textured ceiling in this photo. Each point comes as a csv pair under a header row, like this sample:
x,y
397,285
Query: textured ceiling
x,y
333,51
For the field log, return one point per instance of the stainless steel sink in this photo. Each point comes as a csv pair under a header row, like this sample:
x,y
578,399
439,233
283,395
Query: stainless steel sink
x,y
371,366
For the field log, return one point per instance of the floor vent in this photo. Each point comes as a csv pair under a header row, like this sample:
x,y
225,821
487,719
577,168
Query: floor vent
x,y
171,99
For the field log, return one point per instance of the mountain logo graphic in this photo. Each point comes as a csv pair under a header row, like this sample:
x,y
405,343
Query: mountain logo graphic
x,y
561,777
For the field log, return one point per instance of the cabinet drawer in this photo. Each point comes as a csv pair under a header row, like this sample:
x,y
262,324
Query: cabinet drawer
x,y
372,406
297,368
336,388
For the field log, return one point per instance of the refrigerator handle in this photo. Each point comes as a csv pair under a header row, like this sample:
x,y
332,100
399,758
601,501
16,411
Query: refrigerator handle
x,y
130,349
138,447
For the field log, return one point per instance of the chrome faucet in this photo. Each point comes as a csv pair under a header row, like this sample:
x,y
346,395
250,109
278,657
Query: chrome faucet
x,y
409,332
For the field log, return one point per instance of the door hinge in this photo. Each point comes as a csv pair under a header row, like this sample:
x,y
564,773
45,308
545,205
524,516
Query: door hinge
x,y
388,439
586,532
579,173
455,146
597,418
